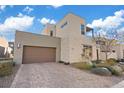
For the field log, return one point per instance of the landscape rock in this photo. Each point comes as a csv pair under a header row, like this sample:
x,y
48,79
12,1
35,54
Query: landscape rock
x,y
101,71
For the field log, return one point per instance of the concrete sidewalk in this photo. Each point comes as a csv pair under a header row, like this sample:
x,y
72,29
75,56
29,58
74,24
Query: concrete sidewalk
x,y
119,85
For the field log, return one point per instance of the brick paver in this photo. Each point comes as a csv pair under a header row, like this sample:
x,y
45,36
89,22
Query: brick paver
x,y
56,75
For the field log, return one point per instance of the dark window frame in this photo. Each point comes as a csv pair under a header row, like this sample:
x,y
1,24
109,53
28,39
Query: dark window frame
x,y
62,26
51,33
82,27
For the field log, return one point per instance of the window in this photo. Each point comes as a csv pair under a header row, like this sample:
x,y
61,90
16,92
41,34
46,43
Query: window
x,y
82,29
100,42
87,51
51,33
64,25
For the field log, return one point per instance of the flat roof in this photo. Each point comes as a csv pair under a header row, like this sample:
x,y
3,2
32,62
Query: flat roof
x,y
88,29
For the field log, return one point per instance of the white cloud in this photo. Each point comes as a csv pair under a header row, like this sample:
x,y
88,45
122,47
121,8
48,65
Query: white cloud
x,y
44,21
109,24
52,22
110,21
2,7
20,15
121,30
28,9
121,34
56,6
119,13
14,23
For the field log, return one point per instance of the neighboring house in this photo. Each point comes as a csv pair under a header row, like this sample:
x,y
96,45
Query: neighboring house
x,y
4,48
11,46
66,41
119,49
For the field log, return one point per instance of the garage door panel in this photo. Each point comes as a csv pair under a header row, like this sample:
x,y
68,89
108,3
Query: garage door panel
x,y
38,54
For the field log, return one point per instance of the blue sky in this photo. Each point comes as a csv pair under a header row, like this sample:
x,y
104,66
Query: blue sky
x,y
37,15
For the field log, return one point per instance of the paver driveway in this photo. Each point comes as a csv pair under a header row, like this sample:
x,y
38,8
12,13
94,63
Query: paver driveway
x,y
57,75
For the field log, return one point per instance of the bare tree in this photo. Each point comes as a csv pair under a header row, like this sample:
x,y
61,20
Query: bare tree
x,y
107,41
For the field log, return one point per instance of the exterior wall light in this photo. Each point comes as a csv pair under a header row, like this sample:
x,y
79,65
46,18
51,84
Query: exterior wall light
x,y
18,45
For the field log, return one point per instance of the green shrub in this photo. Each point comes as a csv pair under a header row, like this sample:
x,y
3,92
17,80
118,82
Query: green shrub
x,y
122,66
5,68
111,61
115,70
94,65
107,63
103,64
14,63
83,65
96,61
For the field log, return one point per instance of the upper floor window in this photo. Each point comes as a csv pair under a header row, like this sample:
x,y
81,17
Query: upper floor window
x,y
100,42
64,25
82,29
51,33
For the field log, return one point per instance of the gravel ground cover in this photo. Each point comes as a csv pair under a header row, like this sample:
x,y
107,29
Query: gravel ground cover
x,y
5,82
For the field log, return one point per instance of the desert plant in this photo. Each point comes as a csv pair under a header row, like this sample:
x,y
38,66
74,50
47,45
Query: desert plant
x,y
115,70
103,64
96,61
83,65
122,66
14,63
111,61
5,68
94,65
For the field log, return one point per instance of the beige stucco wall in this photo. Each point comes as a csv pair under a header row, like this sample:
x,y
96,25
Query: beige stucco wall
x,y
63,33
71,39
76,39
118,52
48,28
119,49
25,38
110,55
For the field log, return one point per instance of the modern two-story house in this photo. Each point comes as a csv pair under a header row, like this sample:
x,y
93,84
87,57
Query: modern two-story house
x,y
64,41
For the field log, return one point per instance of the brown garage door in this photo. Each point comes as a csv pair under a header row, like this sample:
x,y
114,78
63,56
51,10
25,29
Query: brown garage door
x,y
38,54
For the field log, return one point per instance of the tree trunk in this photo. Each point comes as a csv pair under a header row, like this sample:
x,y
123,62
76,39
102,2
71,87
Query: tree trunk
x,y
106,55
97,52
